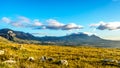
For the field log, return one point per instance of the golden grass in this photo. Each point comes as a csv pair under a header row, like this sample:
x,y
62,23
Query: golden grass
x,y
77,57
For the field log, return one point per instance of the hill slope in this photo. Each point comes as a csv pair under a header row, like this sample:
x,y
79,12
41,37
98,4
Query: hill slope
x,y
18,34
77,57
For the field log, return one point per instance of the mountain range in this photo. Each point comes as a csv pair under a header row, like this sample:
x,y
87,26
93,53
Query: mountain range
x,y
74,39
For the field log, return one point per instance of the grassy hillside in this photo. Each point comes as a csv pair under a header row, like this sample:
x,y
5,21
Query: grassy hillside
x,y
77,57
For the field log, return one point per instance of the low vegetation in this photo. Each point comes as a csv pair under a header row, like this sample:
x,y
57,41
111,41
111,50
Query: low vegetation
x,y
76,57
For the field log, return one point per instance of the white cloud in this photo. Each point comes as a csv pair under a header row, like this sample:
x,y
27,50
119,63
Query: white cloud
x,y
107,25
37,22
88,33
17,24
23,19
54,23
71,26
19,21
6,20
94,25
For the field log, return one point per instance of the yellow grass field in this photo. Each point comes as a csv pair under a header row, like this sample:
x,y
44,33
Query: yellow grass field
x,y
77,57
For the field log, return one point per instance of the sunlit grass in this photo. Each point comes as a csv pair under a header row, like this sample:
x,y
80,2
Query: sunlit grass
x,y
77,57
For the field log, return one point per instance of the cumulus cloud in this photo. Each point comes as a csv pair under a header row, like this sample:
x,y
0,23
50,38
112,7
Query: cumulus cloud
x,y
71,26
6,20
37,22
107,25
52,24
55,25
86,33
17,24
23,19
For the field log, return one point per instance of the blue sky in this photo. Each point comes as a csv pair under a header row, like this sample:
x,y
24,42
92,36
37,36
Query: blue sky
x,y
61,17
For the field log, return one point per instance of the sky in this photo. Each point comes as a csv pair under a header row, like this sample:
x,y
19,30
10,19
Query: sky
x,y
62,17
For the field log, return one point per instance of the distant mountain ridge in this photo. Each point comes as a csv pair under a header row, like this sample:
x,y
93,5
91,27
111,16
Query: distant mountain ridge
x,y
72,39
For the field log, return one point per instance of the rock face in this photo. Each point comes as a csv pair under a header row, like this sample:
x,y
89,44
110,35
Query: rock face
x,y
11,35
43,58
9,62
63,62
31,59
50,59
8,34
